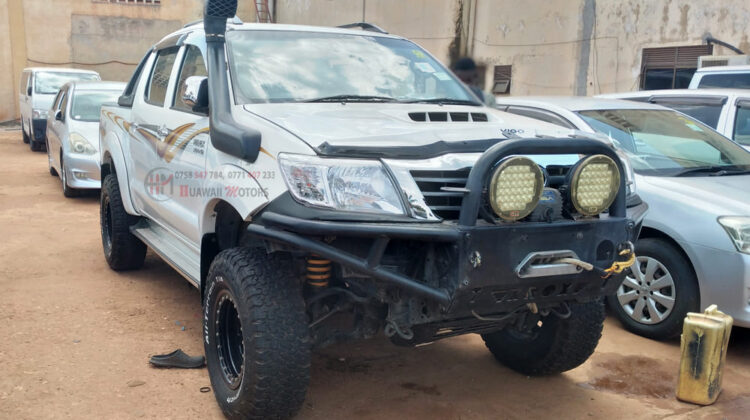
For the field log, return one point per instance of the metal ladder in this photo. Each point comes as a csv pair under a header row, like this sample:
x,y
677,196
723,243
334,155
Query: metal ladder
x,y
263,12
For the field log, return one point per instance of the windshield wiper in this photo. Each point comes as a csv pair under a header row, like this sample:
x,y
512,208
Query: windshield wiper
x,y
353,98
443,101
715,170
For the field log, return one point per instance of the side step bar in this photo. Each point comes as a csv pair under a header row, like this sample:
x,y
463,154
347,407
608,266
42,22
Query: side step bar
x,y
173,251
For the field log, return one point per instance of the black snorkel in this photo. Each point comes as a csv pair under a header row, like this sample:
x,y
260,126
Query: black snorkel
x,y
227,134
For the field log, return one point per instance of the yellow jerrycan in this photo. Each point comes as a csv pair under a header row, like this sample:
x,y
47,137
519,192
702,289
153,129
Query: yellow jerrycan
x,y
704,349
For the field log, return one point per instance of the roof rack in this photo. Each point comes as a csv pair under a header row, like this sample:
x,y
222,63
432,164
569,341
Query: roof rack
x,y
364,26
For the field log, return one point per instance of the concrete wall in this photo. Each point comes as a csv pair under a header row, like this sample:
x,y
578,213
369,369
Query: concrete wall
x,y
106,37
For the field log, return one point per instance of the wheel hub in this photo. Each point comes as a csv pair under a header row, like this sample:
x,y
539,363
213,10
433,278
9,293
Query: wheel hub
x,y
648,292
229,341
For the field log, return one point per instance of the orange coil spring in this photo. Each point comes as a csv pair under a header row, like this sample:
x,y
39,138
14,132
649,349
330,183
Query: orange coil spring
x,y
318,271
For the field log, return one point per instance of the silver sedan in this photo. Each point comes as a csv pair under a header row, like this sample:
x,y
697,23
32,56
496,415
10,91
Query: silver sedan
x,y
73,133
694,249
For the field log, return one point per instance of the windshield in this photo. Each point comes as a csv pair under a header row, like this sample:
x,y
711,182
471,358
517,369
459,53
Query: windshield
x,y
667,143
48,83
87,105
291,66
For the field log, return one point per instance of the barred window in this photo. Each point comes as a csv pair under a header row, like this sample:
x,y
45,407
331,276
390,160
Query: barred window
x,y
670,67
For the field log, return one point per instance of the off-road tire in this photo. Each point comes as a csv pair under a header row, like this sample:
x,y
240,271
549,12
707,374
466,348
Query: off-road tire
x,y
687,295
122,250
25,136
557,346
68,191
275,340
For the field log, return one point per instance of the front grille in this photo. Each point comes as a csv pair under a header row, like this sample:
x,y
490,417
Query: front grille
x,y
445,204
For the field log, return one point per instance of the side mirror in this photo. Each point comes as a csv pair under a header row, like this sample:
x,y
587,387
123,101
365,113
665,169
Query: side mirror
x,y
195,94
29,91
58,116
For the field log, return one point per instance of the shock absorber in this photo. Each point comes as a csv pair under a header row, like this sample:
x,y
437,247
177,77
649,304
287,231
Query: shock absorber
x,y
318,271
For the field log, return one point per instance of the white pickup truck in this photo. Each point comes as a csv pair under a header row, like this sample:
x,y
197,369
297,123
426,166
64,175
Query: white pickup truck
x,y
325,184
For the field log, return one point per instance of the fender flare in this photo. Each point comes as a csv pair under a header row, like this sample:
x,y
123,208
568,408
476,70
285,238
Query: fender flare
x,y
246,204
112,153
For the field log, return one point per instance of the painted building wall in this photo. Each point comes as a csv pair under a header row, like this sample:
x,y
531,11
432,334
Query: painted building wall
x,y
107,37
555,47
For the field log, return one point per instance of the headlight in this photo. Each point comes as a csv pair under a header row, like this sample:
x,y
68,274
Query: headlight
x,y
738,228
594,184
78,144
40,114
342,184
516,187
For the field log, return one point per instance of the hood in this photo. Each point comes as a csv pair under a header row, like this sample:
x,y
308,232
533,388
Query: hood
x,y
391,125
718,195
88,129
41,101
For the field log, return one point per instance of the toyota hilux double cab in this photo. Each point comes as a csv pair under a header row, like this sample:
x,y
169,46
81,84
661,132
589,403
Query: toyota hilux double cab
x,y
319,185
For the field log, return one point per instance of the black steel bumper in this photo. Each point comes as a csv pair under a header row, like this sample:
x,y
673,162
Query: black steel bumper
x,y
488,256
39,130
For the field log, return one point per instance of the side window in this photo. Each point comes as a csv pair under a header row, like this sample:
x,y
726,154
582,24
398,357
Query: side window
x,y
742,124
732,80
540,114
156,92
192,65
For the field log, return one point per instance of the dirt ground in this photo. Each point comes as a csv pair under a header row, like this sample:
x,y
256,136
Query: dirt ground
x,y
75,339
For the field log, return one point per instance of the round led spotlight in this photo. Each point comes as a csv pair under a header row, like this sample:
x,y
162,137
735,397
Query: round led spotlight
x,y
594,184
516,187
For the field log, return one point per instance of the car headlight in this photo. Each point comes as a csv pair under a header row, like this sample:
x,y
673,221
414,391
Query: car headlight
x,y
40,114
738,228
594,184
342,184
78,144
516,187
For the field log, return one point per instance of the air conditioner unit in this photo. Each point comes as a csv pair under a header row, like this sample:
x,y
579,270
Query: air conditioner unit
x,y
723,60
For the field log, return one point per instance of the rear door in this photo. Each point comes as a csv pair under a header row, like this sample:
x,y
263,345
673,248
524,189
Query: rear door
x,y
151,182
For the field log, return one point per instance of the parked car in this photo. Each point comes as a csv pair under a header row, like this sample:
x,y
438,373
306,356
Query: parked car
x,y
73,133
38,88
333,184
732,77
694,248
725,110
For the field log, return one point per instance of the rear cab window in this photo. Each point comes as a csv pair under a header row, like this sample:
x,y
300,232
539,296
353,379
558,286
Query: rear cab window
x,y
725,80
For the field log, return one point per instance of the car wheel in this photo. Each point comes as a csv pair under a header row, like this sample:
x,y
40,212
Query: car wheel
x,y
122,250
23,131
256,337
52,170
658,291
67,191
34,145
555,346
